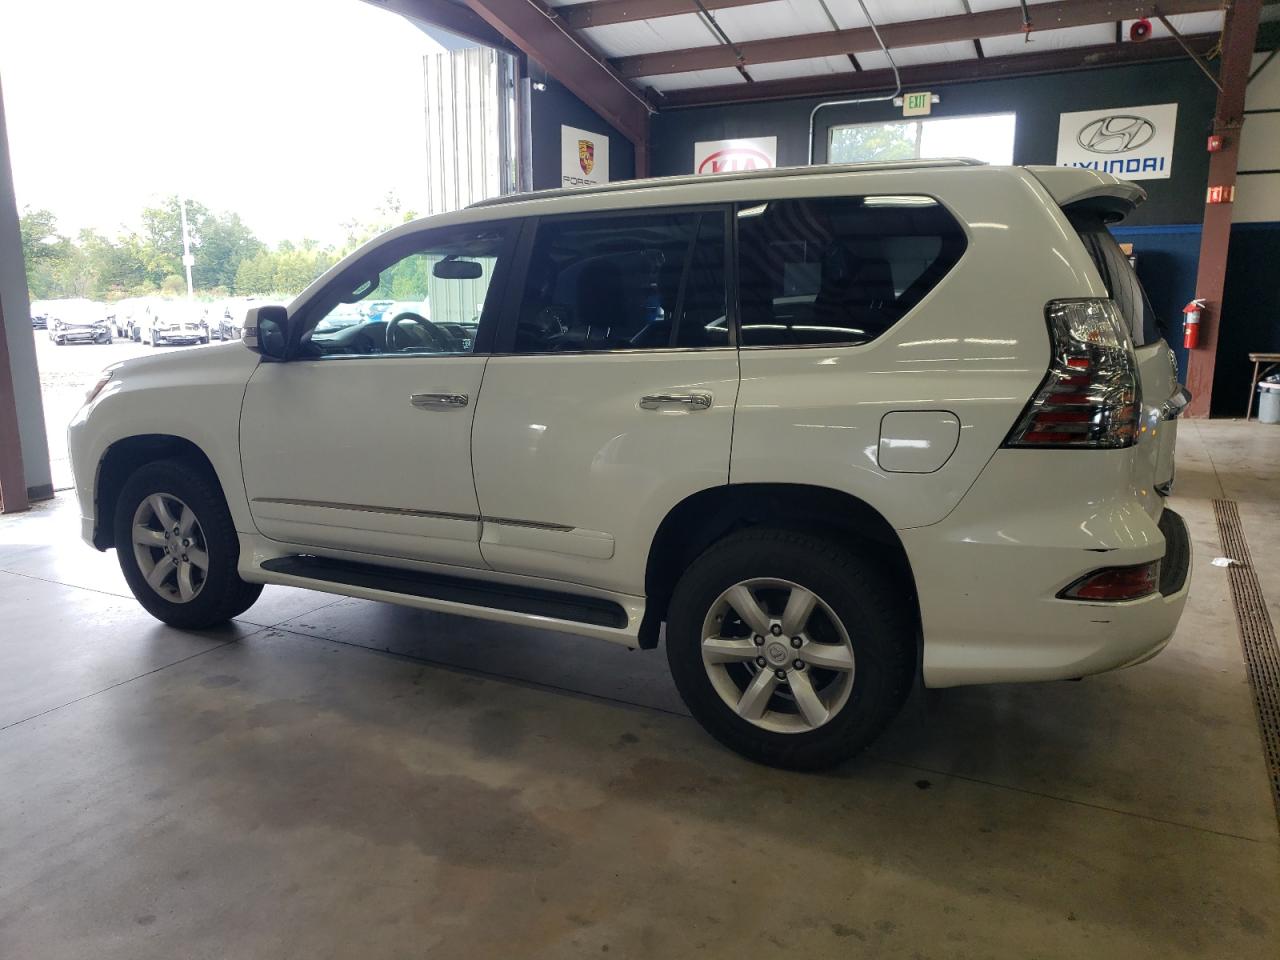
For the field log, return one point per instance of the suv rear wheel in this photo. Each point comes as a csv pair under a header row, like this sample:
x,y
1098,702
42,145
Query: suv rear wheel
x,y
178,548
788,648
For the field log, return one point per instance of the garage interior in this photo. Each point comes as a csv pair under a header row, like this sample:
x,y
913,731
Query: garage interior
x,y
335,777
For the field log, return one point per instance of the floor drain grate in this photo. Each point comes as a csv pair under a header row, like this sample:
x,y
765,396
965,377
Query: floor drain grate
x,y
1257,637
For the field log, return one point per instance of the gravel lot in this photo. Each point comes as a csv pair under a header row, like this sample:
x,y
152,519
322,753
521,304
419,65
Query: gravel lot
x,y
66,372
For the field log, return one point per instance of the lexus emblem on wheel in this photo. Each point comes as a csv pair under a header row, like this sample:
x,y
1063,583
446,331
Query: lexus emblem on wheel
x,y
1117,133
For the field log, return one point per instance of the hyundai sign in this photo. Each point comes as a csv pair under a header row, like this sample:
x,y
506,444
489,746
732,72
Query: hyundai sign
x,y
1133,143
731,156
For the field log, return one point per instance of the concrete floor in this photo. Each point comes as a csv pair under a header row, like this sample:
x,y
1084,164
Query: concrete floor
x,y
335,778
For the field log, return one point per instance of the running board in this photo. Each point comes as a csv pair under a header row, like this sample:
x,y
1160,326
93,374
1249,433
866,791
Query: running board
x,y
472,593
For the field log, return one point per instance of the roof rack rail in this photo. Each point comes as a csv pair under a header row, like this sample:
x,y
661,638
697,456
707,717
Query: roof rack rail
x,y
687,178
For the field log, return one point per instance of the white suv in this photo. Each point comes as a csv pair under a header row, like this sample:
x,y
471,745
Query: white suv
x,y
836,428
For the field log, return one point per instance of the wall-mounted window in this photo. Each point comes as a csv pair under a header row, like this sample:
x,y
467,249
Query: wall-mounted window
x,y
988,138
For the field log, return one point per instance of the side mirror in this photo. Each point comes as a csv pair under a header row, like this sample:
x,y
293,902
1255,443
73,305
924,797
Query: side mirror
x,y
457,270
266,331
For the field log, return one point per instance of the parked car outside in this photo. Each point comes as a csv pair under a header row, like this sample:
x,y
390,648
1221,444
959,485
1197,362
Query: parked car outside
x,y
129,314
39,314
78,320
120,312
216,316
838,429
174,321
233,316
341,317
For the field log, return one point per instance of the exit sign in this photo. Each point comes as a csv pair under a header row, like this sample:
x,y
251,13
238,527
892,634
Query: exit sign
x,y
917,104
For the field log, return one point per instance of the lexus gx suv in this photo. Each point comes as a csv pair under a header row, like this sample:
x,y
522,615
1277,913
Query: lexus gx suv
x,y
819,432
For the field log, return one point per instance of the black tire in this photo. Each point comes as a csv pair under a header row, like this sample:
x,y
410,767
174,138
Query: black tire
x,y
223,595
872,607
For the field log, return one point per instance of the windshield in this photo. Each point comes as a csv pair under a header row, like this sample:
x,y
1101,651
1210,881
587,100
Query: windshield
x,y
1120,278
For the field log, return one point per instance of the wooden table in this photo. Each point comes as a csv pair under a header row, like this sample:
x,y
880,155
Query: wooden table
x,y
1258,360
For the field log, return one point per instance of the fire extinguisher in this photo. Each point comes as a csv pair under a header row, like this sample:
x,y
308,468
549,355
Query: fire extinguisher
x,y
1191,324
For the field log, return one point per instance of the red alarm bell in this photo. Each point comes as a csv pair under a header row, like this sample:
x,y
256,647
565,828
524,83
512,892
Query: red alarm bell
x,y
1139,30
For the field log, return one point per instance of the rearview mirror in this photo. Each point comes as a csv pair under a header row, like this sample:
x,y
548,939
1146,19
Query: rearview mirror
x,y
457,270
266,331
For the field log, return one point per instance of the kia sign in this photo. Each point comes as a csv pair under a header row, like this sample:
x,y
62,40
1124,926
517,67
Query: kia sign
x,y
1133,143
732,156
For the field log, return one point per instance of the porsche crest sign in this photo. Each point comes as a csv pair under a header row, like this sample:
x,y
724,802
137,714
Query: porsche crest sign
x,y
584,157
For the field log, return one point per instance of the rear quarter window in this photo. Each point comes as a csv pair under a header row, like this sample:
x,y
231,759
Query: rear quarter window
x,y
842,270
1120,278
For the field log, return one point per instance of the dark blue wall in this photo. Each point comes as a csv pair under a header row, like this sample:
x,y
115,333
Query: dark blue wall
x,y
554,106
1166,258
1037,101
1250,312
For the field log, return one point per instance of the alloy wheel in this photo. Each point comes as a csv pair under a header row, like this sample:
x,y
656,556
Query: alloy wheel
x,y
777,655
170,547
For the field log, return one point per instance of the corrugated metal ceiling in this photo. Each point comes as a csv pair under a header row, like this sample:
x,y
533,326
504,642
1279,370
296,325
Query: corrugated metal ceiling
x,y
788,18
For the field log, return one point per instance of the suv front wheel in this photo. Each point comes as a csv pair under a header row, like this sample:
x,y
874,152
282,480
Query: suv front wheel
x,y
789,648
178,548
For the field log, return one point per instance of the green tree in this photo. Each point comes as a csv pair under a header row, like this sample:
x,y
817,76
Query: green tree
x,y
256,274
40,237
115,267
162,235
297,267
874,141
45,253
225,242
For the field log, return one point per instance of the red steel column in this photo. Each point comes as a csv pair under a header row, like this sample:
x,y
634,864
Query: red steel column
x,y
13,480
1239,33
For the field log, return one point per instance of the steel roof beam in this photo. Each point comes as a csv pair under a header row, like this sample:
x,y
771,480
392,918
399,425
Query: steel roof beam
x,y
1013,65
599,13
962,27
451,17
545,38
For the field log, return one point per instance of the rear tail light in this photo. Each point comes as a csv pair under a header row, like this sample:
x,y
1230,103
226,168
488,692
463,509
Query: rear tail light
x,y
1116,583
1089,397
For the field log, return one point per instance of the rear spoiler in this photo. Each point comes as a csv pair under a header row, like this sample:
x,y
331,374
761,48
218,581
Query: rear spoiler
x,y
1078,189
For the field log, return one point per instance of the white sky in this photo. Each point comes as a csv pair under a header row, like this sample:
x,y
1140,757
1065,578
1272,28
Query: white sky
x,y
296,114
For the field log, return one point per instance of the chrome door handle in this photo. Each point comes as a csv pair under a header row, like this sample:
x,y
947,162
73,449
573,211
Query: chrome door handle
x,y
695,401
432,401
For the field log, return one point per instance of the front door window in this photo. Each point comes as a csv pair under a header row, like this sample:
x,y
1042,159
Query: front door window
x,y
418,296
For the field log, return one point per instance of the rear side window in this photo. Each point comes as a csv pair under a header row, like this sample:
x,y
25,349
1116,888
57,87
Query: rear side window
x,y
625,281
1119,277
838,269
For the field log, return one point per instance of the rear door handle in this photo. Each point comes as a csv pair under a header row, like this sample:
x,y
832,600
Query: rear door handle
x,y
694,401
439,401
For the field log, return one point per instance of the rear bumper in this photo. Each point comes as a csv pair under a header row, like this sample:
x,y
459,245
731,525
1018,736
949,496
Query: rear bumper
x,y
81,333
988,576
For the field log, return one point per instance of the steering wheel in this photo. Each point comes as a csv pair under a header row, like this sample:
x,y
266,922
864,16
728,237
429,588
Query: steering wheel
x,y
441,341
